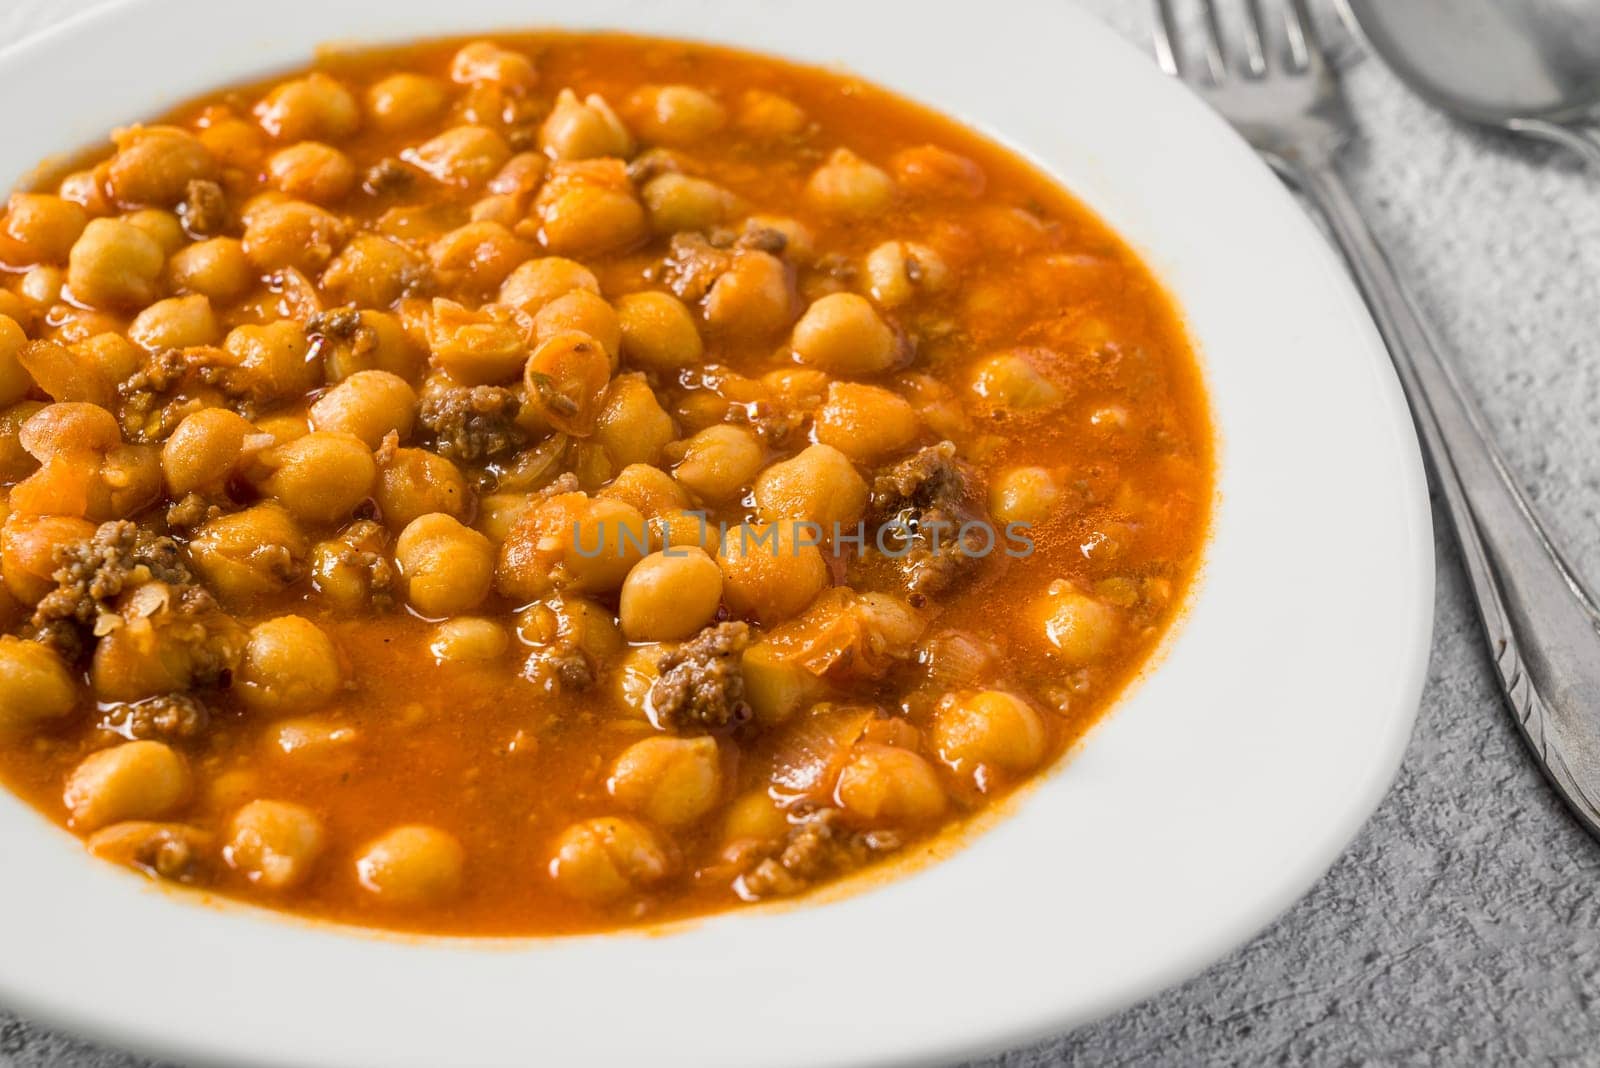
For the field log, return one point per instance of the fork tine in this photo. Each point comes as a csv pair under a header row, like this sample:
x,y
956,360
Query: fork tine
x,y
1216,62
1297,22
1165,28
1255,51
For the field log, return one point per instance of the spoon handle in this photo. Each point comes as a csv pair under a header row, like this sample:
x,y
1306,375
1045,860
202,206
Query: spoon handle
x,y
1541,622
1575,137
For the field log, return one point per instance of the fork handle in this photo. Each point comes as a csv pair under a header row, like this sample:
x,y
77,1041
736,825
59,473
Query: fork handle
x,y
1541,622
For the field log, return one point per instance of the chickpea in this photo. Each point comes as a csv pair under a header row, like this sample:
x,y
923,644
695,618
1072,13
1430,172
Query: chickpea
x,y
770,571
44,227
416,482
217,268
587,207
65,372
931,171
320,477
990,728
348,569
1013,380
114,265
842,333
678,202
487,62
586,313
1078,627
771,116
174,851
112,356
379,343
15,308
314,743
133,781
573,542
367,405
680,527
161,226
753,298
274,844
882,784
42,285
28,546
718,461
15,463
71,427
405,101
312,171
314,108
155,164
476,348
672,782
15,382
373,271
249,553
162,650
1024,495
601,860
468,639
497,513
479,254
290,667
657,332
901,270
35,686
632,426
412,865
565,382
670,595
583,129
648,488
176,323
849,187
204,451
448,568
676,114
463,156
86,189
235,142
571,623
537,282
820,485
271,360
632,679
292,233
865,423
519,179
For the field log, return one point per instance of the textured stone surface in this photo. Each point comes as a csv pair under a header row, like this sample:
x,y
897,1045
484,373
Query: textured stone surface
x,y
1463,925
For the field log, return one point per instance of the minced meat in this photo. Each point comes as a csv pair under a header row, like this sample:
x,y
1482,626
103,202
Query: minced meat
x,y
816,847
700,683
928,497
169,718
472,422
90,573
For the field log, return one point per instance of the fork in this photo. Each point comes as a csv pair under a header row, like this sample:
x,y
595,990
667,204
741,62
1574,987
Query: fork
x,y
1280,91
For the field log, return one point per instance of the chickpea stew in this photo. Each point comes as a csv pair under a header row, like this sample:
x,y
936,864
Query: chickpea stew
x,y
559,482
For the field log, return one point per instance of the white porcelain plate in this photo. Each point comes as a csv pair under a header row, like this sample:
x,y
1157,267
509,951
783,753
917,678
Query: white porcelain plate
x,y
1204,805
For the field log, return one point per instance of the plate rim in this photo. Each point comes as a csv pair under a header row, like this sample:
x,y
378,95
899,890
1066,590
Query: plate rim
x,y
1391,748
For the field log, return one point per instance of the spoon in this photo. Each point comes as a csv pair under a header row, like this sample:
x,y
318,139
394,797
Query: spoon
x,y
1528,66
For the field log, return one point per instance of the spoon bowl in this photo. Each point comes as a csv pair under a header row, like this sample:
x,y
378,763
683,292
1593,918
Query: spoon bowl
x,y
1528,66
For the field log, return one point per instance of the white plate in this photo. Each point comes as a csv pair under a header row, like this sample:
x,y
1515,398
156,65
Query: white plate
x,y
1201,808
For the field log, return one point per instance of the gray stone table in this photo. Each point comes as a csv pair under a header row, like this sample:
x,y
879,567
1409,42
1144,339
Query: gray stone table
x,y
1463,926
